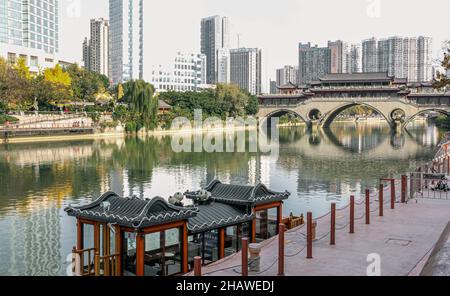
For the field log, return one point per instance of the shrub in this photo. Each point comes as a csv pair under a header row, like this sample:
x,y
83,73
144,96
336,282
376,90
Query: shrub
x,y
5,118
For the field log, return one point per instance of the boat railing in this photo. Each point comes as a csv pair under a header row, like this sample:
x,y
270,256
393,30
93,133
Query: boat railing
x,y
108,265
81,266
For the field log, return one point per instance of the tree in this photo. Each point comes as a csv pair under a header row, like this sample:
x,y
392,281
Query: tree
x,y
15,82
443,79
58,84
142,104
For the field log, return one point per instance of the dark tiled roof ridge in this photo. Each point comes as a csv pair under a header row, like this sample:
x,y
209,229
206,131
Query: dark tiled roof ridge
x,y
170,211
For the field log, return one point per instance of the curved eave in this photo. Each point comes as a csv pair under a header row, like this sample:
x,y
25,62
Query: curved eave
x,y
136,223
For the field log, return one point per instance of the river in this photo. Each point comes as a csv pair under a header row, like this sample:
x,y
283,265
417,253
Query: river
x,y
37,180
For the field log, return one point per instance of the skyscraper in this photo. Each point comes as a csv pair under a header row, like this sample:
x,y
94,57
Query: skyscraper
x,y
314,62
351,58
369,55
214,38
126,39
336,56
287,74
246,69
96,50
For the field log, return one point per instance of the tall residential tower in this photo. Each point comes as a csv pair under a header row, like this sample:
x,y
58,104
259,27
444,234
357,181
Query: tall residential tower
x,y
96,50
246,69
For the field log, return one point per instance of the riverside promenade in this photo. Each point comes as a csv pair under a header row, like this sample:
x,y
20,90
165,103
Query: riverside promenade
x,y
403,237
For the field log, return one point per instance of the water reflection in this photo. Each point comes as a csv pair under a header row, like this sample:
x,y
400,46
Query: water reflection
x,y
37,180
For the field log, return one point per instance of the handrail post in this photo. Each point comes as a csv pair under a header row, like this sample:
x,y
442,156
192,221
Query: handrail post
x,y
309,236
281,231
392,194
244,256
404,185
367,206
333,225
97,264
352,214
197,266
381,190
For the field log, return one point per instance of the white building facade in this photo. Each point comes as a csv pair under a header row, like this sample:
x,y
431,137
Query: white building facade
x,y
186,73
400,57
126,40
29,29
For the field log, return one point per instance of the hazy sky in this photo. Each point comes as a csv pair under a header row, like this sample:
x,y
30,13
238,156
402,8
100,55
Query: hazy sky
x,y
277,26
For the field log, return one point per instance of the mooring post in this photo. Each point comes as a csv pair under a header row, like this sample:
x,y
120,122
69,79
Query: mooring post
x,y
309,237
197,266
352,214
448,165
244,256
392,194
404,186
367,206
333,225
281,230
381,199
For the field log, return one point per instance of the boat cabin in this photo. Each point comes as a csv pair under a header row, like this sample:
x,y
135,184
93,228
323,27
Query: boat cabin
x,y
151,237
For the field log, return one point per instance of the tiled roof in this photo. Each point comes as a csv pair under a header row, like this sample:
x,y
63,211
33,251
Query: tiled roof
x,y
241,195
343,77
217,215
164,105
131,212
288,85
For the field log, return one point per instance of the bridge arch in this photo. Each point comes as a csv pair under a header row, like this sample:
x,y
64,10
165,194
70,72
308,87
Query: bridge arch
x,y
412,117
329,117
280,112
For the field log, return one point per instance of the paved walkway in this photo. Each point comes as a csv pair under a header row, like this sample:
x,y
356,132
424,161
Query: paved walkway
x,y
404,238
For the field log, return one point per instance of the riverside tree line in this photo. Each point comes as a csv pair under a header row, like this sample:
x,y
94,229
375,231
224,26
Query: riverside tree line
x,y
134,103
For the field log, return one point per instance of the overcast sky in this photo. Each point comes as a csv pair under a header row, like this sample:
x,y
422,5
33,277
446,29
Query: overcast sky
x,y
277,26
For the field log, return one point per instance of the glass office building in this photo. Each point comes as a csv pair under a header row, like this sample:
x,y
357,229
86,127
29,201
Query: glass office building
x,y
30,23
126,37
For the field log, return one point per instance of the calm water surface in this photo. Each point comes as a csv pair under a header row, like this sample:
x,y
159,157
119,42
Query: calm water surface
x,y
38,180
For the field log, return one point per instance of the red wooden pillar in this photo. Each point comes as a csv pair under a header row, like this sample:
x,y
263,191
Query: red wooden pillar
x,y
309,237
333,225
221,243
140,249
253,239
404,185
80,235
381,192
185,259
367,206
352,214
392,194
197,266
97,237
281,229
119,249
280,213
244,256
448,165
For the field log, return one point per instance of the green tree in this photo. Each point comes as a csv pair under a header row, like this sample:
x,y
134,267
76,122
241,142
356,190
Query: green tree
x,y
142,103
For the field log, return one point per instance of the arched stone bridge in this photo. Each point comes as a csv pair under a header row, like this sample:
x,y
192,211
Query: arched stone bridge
x,y
398,111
